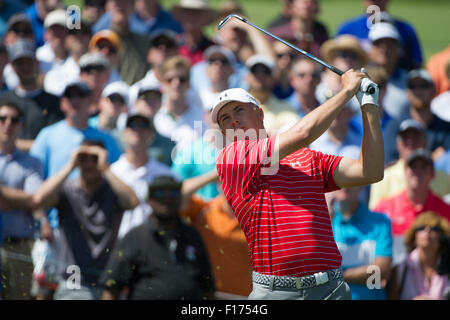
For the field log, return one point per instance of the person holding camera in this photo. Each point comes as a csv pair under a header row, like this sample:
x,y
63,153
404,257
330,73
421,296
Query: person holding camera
x,y
424,275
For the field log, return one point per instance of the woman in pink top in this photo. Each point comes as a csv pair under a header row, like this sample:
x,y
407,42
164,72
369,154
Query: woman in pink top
x,y
417,278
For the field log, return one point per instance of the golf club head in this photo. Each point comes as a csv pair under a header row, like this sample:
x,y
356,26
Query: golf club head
x,y
225,20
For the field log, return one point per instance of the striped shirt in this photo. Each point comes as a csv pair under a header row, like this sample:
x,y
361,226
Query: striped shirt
x,y
284,216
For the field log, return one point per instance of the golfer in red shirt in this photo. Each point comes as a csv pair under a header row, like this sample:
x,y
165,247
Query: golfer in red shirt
x,y
276,187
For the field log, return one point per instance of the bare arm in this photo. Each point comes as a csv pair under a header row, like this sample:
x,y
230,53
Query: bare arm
x,y
360,275
191,185
15,199
315,123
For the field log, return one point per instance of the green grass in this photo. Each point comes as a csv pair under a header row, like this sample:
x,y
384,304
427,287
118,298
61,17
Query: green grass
x,y
430,18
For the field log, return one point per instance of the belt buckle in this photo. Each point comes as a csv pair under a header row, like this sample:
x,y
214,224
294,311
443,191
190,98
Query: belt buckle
x,y
321,278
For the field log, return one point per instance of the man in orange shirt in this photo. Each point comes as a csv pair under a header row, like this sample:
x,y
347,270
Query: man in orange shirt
x,y
436,67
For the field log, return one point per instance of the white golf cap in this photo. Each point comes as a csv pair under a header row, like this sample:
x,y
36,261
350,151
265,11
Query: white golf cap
x,y
118,87
56,17
420,74
260,59
383,30
230,95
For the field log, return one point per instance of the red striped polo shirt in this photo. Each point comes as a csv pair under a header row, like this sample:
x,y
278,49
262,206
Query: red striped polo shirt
x,y
284,216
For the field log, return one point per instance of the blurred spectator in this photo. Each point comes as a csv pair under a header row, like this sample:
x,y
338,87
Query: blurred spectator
x,y
344,53
60,75
420,94
95,72
107,43
93,10
411,57
194,16
54,52
7,9
90,208
134,47
148,103
418,277
284,16
410,136
284,57
364,240
38,12
220,62
305,77
113,109
179,118
303,29
162,46
163,258
260,81
54,144
149,17
40,108
18,171
440,105
223,237
137,169
3,63
200,156
436,66
385,52
417,198
19,27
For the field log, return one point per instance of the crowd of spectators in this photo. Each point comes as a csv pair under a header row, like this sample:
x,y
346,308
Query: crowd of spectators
x,y
108,186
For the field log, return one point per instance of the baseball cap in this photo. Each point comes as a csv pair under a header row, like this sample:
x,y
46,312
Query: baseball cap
x,y
56,17
118,87
108,35
410,124
22,48
420,154
421,74
260,59
77,84
163,33
93,59
148,87
17,18
227,53
234,94
163,182
383,30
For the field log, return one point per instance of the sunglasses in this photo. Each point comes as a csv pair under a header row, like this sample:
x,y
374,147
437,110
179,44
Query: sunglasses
x,y
422,228
76,94
22,29
102,46
182,79
222,61
261,70
14,120
116,98
162,193
285,54
89,69
85,157
138,125
424,85
314,75
160,44
348,55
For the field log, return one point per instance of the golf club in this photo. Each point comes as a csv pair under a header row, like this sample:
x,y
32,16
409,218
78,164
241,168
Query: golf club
x,y
370,89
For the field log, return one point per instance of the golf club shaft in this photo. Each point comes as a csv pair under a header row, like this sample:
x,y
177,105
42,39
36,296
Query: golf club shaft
x,y
323,63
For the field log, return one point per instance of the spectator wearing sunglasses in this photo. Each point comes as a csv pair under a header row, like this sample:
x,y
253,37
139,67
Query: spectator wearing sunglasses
x,y
163,45
18,27
180,117
260,81
419,277
137,168
21,173
402,208
93,10
344,53
163,258
8,9
420,92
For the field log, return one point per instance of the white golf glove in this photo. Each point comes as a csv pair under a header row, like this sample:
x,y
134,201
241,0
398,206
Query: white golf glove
x,y
363,96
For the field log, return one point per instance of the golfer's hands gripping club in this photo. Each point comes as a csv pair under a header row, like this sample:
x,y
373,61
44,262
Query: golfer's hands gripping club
x,y
357,83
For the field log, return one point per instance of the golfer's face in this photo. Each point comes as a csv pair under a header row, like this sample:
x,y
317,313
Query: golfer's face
x,y
237,115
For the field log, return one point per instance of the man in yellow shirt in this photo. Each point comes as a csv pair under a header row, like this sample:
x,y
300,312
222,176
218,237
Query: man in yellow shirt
x,y
411,136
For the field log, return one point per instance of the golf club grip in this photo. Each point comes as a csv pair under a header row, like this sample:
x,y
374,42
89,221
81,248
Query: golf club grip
x,y
370,89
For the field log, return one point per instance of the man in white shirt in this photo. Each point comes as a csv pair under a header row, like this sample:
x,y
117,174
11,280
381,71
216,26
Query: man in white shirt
x,y
137,169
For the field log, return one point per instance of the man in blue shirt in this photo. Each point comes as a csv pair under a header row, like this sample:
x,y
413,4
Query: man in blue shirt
x,y
359,27
365,242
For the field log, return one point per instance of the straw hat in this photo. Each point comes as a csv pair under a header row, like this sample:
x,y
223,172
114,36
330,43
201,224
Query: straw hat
x,y
185,6
331,47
